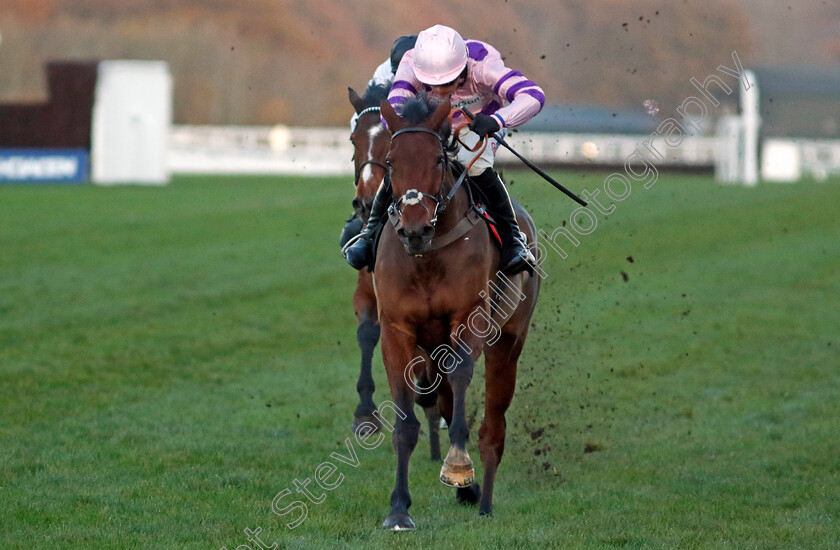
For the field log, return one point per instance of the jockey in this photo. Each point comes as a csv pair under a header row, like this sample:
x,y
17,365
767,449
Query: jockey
x,y
384,73
474,75
382,76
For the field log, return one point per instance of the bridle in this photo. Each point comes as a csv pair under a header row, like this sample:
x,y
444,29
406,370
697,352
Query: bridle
x,y
372,162
413,196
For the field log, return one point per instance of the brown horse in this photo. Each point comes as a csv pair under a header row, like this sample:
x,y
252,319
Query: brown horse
x,y
446,298
370,145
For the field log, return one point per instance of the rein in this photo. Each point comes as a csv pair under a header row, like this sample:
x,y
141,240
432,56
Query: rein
x,y
480,146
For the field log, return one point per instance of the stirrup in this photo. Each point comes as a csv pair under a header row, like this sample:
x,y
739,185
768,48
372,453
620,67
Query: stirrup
x,y
529,256
350,243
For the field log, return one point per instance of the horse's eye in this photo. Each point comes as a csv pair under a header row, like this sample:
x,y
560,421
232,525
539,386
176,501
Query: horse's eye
x,y
440,160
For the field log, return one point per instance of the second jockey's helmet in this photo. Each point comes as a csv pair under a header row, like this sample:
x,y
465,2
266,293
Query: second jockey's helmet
x,y
401,45
440,55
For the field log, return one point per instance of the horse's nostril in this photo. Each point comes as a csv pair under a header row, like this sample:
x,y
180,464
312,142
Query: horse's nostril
x,y
357,204
428,232
401,233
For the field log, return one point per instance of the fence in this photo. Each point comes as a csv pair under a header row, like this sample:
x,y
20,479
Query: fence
x,y
327,151
260,150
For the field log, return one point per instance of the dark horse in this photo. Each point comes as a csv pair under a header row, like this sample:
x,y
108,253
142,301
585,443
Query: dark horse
x,y
443,299
370,145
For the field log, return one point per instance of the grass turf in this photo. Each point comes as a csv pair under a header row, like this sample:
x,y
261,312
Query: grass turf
x,y
172,358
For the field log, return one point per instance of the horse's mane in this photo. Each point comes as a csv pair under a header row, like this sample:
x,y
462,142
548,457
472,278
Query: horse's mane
x,y
374,94
419,108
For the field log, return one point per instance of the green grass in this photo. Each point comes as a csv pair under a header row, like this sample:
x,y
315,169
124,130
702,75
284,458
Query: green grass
x,y
172,358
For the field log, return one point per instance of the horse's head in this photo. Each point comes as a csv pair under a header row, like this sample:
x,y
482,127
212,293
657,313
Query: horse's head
x,y
420,169
370,145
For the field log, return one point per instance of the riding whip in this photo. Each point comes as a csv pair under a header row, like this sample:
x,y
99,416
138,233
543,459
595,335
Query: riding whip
x,y
533,166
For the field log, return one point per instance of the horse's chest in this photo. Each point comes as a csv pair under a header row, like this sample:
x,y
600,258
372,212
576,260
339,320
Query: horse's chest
x,y
420,293
443,302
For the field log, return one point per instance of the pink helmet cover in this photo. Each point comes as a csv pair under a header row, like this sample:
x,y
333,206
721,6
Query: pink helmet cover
x,y
440,55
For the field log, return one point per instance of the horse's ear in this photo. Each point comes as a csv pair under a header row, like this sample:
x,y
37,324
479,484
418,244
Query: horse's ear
x,y
435,122
358,102
390,115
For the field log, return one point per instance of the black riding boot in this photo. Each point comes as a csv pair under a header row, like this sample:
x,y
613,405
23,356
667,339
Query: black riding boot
x,y
359,252
515,254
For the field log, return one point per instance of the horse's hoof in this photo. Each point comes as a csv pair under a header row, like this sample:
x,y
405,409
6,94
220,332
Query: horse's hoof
x,y
457,469
468,496
369,424
399,521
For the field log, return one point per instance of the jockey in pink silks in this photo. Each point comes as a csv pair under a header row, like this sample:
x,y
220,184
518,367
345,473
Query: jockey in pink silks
x,y
473,74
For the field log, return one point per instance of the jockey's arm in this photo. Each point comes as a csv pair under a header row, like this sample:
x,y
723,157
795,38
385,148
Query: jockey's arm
x,y
523,97
382,76
405,83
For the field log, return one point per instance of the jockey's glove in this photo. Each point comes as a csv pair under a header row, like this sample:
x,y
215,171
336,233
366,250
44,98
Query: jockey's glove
x,y
484,124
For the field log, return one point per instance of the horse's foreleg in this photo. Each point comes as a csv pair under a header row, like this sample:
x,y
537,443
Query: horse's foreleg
x,y
427,397
395,344
500,374
433,419
457,469
367,336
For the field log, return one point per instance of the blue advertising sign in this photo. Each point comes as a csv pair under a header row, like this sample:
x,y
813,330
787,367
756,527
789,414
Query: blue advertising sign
x,y
44,165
